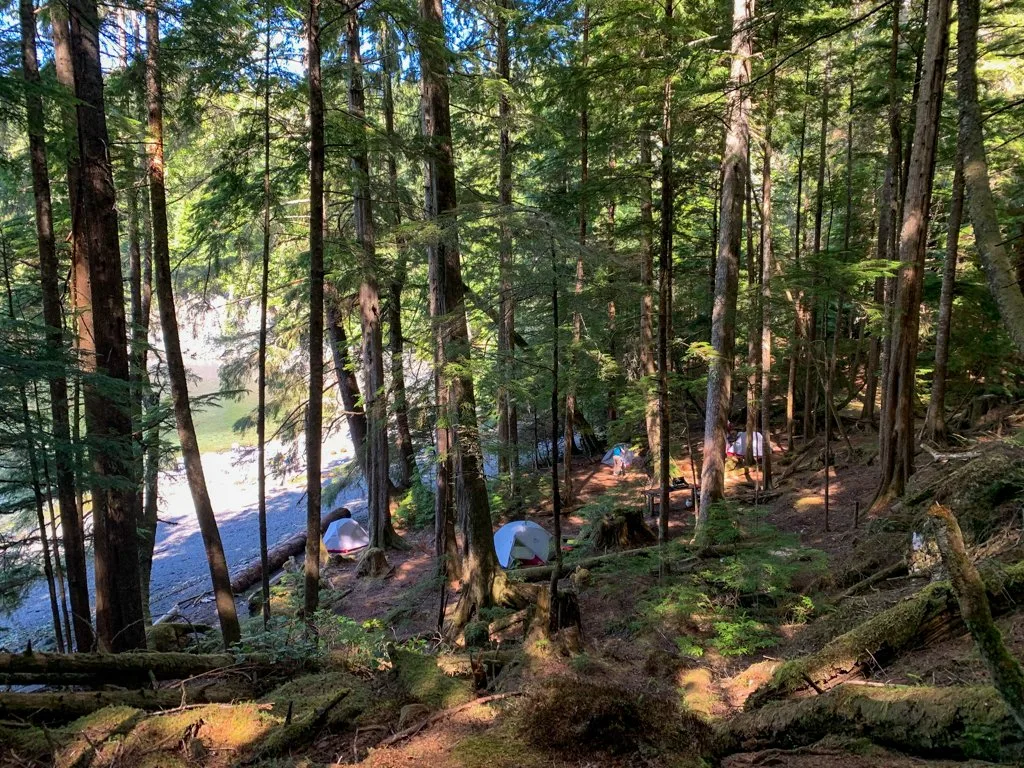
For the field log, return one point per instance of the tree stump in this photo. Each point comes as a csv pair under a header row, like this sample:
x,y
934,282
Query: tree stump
x,y
623,529
373,563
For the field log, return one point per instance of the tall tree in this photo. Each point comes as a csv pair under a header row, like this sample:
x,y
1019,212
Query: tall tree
x,y
980,203
897,434
767,260
72,534
508,423
120,621
648,356
314,405
458,438
723,331
382,534
935,421
665,293
219,575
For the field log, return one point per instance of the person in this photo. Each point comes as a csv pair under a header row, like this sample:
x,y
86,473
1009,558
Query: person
x,y
617,462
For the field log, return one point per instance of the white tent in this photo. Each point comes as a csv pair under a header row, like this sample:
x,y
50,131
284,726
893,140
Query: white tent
x,y
739,446
521,540
345,536
628,457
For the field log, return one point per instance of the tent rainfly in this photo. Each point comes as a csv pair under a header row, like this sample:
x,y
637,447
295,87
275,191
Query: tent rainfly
x,y
628,456
522,540
345,536
739,446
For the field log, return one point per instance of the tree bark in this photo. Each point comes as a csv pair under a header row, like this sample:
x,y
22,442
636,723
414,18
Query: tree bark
x,y
980,204
508,438
261,374
898,438
577,315
119,617
378,481
72,534
458,438
219,575
795,345
665,299
723,330
648,359
767,256
408,468
314,408
935,422
887,233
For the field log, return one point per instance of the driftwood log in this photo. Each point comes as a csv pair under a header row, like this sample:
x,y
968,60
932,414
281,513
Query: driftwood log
x,y
117,668
958,722
277,556
927,617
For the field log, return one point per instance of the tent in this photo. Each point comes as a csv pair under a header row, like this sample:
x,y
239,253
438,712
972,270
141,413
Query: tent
x,y
739,446
345,536
522,540
628,457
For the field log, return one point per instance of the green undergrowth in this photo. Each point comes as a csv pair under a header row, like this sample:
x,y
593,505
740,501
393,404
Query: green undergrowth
x,y
733,605
419,674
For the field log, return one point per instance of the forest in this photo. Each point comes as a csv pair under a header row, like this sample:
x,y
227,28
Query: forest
x,y
511,383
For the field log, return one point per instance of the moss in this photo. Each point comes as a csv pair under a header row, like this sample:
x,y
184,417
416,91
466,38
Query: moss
x,y
308,693
966,722
498,748
421,677
28,743
81,736
476,634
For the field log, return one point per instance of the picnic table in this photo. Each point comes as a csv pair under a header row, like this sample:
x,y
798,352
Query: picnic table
x,y
652,496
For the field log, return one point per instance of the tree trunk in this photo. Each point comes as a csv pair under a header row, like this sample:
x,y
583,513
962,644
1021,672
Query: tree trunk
x,y
396,342
556,496
935,422
314,408
508,456
665,300
795,345
648,360
810,349
72,534
219,575
753,328
1006,672
897,429
886,223
119,617
723,328
767,256
577,315
261,375
458,438
378,482
980,203
29,436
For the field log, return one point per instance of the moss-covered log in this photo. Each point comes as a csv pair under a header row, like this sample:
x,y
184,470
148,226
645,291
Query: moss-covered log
x,y
119,668
930,615
969,588
959,723
65,706
299,733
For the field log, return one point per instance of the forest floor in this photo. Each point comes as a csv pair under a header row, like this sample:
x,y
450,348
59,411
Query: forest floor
x,y
671,647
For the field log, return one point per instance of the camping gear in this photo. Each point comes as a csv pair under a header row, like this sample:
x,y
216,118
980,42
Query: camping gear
x,y
346,536
522,540
625,453
739,446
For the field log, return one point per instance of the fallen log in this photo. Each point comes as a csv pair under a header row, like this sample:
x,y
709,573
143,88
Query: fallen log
x,y
926,617
120,668
896,569
944,457
278,555
67,706
959,722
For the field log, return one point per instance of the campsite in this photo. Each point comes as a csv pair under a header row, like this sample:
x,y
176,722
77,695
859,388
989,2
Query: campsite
x,y
511,384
